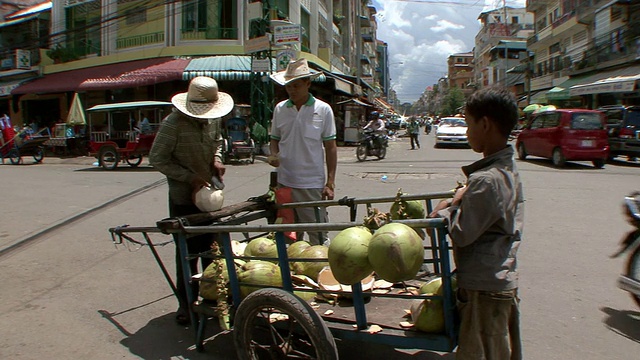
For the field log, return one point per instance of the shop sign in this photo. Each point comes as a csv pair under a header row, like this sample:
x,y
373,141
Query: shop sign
x,y
286,34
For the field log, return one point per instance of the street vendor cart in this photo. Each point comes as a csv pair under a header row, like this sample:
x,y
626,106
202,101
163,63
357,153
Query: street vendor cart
x,y
25,143
277,322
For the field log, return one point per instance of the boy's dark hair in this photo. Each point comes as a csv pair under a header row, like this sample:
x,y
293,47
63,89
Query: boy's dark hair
x,y
496,103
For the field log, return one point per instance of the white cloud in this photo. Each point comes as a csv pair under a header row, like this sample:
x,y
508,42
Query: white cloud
x,y
422,35
444,25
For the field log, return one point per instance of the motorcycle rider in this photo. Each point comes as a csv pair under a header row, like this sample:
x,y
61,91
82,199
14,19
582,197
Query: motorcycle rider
x,y
376,123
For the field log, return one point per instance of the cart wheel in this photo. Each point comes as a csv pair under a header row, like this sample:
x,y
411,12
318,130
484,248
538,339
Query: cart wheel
x,y
272,323
109,158
14,156
39,154
134,160
361,152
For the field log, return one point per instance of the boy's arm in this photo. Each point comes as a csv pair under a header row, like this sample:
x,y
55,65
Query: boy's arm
x,y
478,209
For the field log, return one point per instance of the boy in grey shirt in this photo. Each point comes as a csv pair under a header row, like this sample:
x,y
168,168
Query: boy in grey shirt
x,y
485,221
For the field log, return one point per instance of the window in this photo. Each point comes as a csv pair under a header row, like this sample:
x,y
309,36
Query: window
x,y
586,121
514,20
536,123
305,22
551,120
83,24
217,18
136,16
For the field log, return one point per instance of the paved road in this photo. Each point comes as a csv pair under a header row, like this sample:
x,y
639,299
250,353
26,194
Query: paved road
x,y
68,292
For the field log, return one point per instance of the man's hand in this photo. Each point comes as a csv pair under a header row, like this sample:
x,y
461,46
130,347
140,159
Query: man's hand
x,y
327,193
457,197
218,168
273,160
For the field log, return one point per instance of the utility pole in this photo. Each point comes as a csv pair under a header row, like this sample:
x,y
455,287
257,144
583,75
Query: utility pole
x,y
261,86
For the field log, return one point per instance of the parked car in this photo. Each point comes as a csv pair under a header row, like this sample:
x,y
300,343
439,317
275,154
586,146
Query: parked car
x,y
451,131
623,125
565,134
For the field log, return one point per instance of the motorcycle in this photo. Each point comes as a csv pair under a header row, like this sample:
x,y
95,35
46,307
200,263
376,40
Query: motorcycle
x,y
630,280
372,144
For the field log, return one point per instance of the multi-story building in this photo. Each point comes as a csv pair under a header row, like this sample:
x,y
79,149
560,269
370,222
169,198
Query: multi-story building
x,y
114,50
500,43
460,72
24,30
586,52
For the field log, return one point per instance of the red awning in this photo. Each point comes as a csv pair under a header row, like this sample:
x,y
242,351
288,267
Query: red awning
x,y
113,76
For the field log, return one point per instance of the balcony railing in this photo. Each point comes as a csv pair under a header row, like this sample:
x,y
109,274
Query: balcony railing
x,y
210,33
618,44
140,40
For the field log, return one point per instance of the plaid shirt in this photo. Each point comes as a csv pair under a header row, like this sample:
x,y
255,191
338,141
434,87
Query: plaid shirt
x,y
184,149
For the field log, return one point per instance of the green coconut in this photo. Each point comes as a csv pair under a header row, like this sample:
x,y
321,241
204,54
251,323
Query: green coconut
x,y
435,287
308,268
396,252
262,247
428,315
348,255
261,273
407,209
294,250
208,289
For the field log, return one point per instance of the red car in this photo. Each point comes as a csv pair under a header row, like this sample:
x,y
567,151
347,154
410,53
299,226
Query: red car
x,y
565,134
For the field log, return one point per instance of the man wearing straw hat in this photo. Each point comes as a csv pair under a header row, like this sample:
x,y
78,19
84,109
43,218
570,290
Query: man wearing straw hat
x,y
188,151
303,136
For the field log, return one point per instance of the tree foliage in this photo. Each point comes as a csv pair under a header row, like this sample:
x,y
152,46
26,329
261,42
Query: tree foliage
x,y
452,102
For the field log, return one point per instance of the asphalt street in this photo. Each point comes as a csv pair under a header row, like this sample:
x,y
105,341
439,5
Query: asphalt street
x,y
69,292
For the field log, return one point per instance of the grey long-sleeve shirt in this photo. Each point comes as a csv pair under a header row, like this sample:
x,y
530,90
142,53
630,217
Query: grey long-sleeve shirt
x,y
486,229
185,148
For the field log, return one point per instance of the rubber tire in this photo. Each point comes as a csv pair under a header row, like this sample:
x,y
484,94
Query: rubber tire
x,y
599,163
134,160
316,331
109,152
522,152
382,152
633,270
361,152
557,158
39,154
14,156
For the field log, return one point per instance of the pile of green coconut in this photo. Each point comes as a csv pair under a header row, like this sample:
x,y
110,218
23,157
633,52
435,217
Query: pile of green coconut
x,y
393,252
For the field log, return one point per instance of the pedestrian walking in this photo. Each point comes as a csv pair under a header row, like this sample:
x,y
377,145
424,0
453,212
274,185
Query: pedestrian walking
x,y
413,128
485,221
188,151
303,138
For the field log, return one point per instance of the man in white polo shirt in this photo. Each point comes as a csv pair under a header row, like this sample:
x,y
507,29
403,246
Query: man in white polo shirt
x,y
303,136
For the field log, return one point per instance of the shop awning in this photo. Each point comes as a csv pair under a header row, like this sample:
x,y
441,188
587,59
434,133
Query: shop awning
x,y
7,86
17,21
112,76
354,102
614,81
383,104
561,92
538,98
226,67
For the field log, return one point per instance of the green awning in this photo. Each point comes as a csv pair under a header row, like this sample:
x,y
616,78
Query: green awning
x,y
226,67
561,92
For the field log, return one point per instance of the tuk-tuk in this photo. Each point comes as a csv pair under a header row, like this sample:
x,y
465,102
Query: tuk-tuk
x,y
238,144
124,131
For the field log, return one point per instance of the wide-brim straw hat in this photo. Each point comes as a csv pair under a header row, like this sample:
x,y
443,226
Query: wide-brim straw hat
x,y
296,69
203,100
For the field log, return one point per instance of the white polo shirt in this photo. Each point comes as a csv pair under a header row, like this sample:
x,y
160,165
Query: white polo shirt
x,y
301,135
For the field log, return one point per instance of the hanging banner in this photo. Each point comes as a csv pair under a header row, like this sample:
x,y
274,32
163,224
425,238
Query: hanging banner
x,y
283,58
286,34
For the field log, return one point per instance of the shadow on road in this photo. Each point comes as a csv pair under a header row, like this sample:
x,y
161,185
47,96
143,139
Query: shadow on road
x,y
623,322
162,339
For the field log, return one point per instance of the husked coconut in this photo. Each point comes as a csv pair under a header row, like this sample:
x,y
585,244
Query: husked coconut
x,y
348,255
396,252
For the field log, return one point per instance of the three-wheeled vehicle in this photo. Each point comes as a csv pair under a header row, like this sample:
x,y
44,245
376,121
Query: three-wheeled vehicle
x,y
115,135
25,143
238,144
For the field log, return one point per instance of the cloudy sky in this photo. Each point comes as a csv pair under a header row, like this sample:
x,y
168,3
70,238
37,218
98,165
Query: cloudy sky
x,y
421,34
